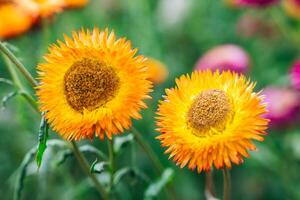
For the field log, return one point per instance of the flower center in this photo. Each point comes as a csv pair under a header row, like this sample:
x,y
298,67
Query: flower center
x,y
90,84
210,109
5,1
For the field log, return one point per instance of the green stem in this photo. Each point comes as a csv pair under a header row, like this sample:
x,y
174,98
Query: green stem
x,y
111,162
145,146
227,184
13,73
17,82
18,64
81,159
170,191
30,100
209,185
85,166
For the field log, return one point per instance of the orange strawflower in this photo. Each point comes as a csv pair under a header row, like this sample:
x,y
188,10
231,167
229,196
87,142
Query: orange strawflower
x,y
14,20
44,8
158,72
210,119
92,84
75,3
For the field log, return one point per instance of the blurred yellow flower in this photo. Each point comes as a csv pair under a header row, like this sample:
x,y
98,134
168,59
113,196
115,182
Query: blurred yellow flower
x,y
211,118
158,72
75,3
14,20
292,8
92,84
44,8
232,3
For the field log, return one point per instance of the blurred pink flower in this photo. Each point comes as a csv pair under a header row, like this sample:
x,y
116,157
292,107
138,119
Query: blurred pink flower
x,y
258,3
251,3
283,105
225,57
295,74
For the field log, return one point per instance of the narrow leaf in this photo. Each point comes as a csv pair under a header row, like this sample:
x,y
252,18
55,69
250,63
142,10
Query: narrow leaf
x,y
133,173
43,137
29,157
98,167
93,150
6,81
6,98
155,188
121,142
65,154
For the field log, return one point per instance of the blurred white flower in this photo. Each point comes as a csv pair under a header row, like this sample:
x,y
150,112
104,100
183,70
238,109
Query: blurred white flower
x,y
173,12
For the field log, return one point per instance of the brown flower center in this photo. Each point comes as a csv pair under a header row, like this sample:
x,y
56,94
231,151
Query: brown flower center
x,y
5,1
90,84
210,109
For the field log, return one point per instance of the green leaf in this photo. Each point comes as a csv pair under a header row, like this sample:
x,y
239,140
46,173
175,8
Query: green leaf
x,y
43,137
98,167
29,157
155,188
90,149
133,173
7,97
6,81
121,142
65,154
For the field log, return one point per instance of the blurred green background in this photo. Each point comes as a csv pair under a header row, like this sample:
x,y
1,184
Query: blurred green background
x,y
176,34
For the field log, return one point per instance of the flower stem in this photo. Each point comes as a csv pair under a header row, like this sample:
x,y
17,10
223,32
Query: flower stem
x,y
138,137
30,100
18,64
80,157
17,82
209,185
227,184
14,76
170,191
85,166
111,162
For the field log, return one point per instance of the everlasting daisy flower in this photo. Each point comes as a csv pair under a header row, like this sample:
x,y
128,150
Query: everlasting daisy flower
x,y
14,20
225,57
158,72
283,105
211,118
75,3
292,8
295,74
92,84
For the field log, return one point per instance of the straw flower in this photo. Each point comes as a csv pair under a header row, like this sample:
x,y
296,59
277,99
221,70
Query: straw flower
x,y
211,119
92,84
